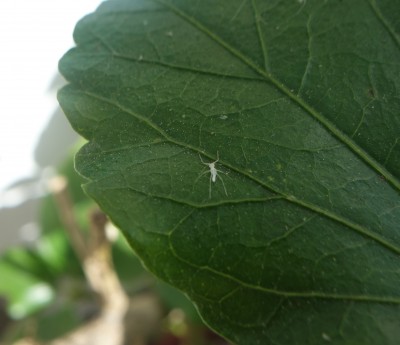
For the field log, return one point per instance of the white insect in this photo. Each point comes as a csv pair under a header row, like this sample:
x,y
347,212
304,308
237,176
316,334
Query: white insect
x,y
213,174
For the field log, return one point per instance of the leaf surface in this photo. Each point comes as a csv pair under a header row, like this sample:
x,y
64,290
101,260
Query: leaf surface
x,y
297,241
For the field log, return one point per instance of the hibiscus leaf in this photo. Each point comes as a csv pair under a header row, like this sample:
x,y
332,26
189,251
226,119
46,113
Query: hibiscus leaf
x,y
249,151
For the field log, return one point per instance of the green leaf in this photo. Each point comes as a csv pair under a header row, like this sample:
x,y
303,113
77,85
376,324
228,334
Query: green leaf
x,y
29,276
300,102
25,291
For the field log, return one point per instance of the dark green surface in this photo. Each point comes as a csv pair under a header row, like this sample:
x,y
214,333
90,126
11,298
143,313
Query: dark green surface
x,y
300,99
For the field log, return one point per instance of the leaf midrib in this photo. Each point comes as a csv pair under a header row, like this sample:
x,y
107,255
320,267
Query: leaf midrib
x,y
326,213
282,88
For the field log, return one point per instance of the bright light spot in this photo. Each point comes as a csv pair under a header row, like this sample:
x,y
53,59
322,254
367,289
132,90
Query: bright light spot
x,y
37,296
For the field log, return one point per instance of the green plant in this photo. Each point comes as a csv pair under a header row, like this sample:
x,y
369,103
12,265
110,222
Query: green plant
x,y
300,102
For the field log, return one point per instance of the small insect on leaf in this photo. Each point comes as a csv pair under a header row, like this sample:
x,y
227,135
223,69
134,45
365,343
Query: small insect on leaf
x,y
213,174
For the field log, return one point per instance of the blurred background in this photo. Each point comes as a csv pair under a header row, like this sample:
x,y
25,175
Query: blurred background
x,y
47,293
34,134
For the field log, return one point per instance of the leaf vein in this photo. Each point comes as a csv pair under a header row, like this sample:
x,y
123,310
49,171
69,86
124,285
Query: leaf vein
x,y
326,213
384,22
293,97
288,294
260,36
182,68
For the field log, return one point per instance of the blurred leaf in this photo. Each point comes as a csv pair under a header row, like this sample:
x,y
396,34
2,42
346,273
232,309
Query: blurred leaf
x,y
28,276
56,251
27,261
24,292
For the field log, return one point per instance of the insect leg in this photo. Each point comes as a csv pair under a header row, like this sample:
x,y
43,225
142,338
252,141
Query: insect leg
x,y
202,160
209,188
200,175
223,184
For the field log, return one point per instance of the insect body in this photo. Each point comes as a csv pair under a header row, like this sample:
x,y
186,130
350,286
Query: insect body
x,y
213,174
